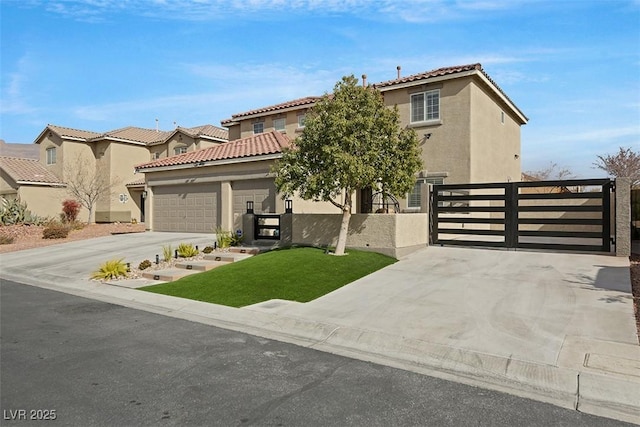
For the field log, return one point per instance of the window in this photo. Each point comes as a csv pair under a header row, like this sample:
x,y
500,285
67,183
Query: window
x,y
301,121
425,106
278,124
258,127
180,150
155,156
502,117
414,197
51,156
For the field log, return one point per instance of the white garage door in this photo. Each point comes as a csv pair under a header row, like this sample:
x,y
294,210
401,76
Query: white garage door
x,y
186,208
262,192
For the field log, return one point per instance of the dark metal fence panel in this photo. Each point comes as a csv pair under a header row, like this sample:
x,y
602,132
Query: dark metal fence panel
x,y
563,215
266,227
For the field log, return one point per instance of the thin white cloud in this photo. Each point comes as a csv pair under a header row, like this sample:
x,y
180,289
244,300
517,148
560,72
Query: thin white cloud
x,y
415,11
14,98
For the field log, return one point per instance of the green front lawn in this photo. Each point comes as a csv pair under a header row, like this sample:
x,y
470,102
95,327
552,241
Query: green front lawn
x,y
298,274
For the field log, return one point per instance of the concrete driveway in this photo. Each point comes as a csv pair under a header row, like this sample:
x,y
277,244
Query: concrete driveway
x,y
554,327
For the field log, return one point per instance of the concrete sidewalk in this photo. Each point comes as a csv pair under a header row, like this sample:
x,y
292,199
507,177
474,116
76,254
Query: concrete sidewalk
x,y
553,327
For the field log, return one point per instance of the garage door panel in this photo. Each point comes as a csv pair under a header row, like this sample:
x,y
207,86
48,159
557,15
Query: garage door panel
x,y
189,208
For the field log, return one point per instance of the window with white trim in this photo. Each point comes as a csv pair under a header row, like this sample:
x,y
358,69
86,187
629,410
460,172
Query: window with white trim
x,y
425,106
180,150
279,124
301,118
258,127
51,156
414,197
155,156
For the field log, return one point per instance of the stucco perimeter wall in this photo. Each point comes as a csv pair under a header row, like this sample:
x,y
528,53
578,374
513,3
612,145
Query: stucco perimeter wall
x,y
47,201
395,235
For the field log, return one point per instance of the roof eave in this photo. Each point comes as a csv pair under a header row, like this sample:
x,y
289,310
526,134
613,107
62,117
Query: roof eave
x,y
193,165
457,75
275,111
48,184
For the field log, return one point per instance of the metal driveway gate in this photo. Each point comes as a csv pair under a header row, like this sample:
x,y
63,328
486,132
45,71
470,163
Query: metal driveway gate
x,y
570,215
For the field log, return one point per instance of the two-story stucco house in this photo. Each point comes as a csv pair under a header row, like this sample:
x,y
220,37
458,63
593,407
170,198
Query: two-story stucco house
x,y
468,127
66,154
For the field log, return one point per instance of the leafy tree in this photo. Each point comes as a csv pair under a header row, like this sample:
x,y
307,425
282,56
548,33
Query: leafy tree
x,y
625,163
350,141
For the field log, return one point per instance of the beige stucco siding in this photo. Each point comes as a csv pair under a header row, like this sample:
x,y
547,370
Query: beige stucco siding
x,y
245,128
495,146
46,201
117,160
445,144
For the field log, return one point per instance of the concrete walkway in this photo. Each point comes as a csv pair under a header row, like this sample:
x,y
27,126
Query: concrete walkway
x,y
554,327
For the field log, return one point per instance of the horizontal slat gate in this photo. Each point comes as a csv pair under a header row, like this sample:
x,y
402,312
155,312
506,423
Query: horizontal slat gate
x,y
561,215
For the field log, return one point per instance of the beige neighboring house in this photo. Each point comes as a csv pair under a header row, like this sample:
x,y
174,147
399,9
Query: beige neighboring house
x,y
469,129
66,152
31,182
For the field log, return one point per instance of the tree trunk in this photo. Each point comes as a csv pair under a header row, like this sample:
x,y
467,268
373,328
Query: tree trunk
x,y
344,227
90,213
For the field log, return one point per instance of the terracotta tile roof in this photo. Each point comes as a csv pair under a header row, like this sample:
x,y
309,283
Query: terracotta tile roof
x,y
137,183
28,171
430,74
254,145
307,101
136,134
444,72
206,130
72,133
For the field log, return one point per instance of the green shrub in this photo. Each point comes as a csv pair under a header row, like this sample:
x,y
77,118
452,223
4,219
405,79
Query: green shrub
x,y
55,231
15,212
227,238
111,269
144,265
207,249
167,253
6,240
187,250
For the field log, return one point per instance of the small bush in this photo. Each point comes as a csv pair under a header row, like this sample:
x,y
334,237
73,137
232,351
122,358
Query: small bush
x,y
70,210
167,253
207,249
227,238
55,231
6,240
187,250
14,211
223,238
144,265
111,269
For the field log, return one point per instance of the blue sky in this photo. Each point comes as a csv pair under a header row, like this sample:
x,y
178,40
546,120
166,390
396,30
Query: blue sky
x,y
573,67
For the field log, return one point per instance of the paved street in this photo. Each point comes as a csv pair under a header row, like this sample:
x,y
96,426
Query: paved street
x,y
98,364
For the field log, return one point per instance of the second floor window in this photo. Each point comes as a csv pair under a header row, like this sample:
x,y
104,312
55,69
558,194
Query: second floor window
x,y
51,156
155,156
425,106
278,124
301,121
258,127
180,150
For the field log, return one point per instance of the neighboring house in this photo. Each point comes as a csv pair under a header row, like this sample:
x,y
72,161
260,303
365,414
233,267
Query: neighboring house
x,y
65,152
31,182
469,129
